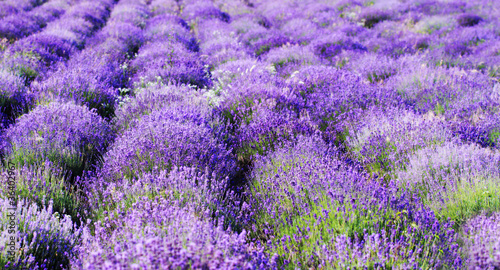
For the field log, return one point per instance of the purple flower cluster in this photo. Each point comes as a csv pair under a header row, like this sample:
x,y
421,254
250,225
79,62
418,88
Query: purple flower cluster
x,y
93,76
47,184
157,233
9,7
171,136
25,23
46,239
170,56
385,141
313,196
69,135
437,170
15,99
482,242
32,56
154,97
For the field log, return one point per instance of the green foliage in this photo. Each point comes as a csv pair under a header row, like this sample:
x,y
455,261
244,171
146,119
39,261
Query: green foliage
x,y
468,200
74,164
47,184
27,74
439,109
374,77
493,137
262,50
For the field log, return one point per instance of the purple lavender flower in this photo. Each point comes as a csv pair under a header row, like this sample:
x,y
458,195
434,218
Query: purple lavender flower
x,y
308,31
45,239
481,242
69,135
169,61
157,233
438,170
304,196
288,58
17,26
203,10
154,97
164,7
166,138
370,17
15,99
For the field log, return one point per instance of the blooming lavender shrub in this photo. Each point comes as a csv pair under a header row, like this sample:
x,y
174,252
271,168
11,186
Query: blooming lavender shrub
x,y
46,239
386,141
92,77
13,6
69,135
15,99
266,134
169,27
315,211
20,25
481,242
169,61
168,137
457,181
286,60
32,56
253,109
219,43
153,97
156,233
196,11
371,17
47,184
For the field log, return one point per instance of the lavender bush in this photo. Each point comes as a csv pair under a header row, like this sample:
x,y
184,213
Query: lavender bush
x,y
46,239
48,184
318,212
168,137
15,99
70,135
481,242
166,237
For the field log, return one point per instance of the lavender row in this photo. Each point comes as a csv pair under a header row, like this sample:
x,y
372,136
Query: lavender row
x,y
93,76
20,25
9,7
31,57
171,56
170,141
47,239
481,242
337,110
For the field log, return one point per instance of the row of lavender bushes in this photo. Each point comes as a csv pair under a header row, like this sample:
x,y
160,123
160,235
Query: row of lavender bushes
x,y
256,134
18,25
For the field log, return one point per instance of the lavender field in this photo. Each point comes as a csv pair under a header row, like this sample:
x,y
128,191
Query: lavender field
x,y
250,134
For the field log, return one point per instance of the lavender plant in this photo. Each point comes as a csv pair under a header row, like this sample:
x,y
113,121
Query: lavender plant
x,y
46,239
314,211
166,138
68,135
157,233
457,181
481,242
255,134
170,62
47,184
154,97
15,99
